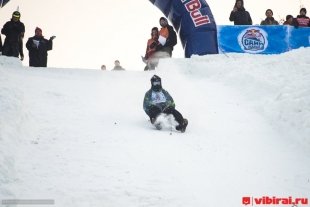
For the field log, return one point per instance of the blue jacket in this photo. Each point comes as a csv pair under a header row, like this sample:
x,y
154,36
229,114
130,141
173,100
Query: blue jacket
x,y
161,99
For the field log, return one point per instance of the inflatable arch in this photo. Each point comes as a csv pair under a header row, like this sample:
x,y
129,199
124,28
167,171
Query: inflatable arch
x,y
3,3
194,22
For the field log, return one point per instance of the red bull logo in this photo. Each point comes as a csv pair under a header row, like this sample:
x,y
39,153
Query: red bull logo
x,y
253,40
193,7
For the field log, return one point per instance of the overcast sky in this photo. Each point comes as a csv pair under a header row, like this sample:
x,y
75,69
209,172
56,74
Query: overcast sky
x,y
95,32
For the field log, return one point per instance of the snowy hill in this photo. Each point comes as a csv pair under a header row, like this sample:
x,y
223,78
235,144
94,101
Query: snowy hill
x,y
81,138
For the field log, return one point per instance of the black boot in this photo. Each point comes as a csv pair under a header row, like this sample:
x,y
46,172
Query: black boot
x,y
182,127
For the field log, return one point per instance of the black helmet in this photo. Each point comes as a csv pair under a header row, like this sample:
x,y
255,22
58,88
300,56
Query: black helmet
x,y
16,14
156,83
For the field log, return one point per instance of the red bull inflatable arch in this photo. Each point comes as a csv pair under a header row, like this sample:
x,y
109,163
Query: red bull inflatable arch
x,y
194,22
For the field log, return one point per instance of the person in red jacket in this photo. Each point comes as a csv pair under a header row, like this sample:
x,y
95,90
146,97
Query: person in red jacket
x,y
150,57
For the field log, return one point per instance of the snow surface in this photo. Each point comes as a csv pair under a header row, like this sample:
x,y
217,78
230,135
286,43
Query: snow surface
x,y
81,137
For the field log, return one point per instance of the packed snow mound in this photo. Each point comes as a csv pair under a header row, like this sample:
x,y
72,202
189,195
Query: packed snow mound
x,y
278,86
81,137
9,62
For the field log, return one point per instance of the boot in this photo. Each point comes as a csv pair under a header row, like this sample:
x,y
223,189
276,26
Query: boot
x,y
182,127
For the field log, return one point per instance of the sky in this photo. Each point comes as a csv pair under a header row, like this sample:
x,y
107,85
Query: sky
x,y
95,32
81,138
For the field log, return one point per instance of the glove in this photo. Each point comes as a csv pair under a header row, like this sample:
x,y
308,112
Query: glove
x,y
170,104
52,37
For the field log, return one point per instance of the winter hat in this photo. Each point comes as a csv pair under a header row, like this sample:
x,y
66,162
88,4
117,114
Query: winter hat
x,y
16,14
304,10
156,83
38,29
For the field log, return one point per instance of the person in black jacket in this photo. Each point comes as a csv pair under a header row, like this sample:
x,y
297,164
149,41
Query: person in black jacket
x,y
38,47
167,37
14,31
269,18
239,15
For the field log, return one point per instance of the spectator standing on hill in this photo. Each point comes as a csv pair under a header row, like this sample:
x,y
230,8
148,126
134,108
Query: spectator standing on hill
x,y
103,67
117,65
38,47
14,31
289,20
269,18
167,37
239,15
151,48
302,20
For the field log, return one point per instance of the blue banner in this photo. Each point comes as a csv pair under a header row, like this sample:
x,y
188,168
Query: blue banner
x,y
299,37
262,39
194,22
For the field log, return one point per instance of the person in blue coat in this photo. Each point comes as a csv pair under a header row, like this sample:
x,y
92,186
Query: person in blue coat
x,y
157,100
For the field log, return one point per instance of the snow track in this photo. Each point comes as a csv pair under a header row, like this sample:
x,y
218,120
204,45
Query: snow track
x,y
81,137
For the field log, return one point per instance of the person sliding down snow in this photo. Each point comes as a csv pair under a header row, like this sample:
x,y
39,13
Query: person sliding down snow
x,y
157,101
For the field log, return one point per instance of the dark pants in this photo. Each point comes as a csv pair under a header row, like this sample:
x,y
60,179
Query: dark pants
x,y
167,50
155,111
10,49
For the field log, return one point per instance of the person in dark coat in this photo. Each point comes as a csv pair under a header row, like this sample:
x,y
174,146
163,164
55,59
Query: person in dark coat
x,y
157,100
239,15
269,18
167,37
38,47
289,20
14,31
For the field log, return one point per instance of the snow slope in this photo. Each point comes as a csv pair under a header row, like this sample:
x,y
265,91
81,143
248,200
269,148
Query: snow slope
x,y
81,138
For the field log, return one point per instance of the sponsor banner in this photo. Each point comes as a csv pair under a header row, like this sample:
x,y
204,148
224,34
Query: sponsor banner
x,y
299,37
253,39
262,39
